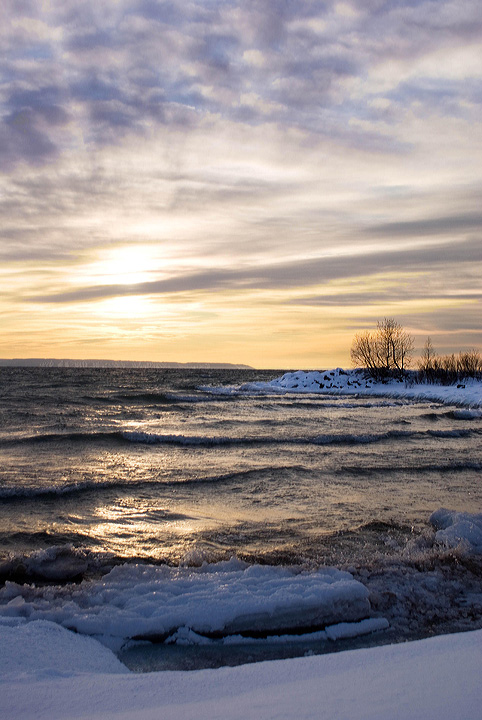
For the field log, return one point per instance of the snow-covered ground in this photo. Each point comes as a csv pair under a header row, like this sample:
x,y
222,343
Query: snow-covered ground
x,y
353,382
49,673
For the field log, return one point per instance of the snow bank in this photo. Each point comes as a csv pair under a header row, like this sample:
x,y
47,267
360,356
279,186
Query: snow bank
x,y
456,529
353,382
153,602
435,679
47,649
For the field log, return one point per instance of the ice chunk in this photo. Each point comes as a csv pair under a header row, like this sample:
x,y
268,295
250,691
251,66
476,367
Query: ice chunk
x,y
338,631
458,528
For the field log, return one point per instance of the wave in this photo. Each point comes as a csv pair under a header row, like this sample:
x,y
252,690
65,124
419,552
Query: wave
x,y
333,402
325,439
149,398
19,492
155,398
60,437
367,470
459,414
58,563
452,433
43,538
206,441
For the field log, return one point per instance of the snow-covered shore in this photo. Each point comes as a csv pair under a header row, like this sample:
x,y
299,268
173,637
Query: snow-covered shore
x,y
353,382
49,671
55,674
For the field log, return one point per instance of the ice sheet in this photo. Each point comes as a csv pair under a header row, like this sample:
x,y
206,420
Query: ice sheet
x,y
45,649
146,601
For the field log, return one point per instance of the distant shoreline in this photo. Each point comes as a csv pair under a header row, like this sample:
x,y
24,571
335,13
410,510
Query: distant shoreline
x,y
68,363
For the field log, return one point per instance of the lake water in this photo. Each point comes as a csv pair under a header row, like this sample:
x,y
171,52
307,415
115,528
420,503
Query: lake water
x,y
105,466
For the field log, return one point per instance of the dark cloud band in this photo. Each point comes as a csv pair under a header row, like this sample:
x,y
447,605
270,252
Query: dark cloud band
x,y
302,273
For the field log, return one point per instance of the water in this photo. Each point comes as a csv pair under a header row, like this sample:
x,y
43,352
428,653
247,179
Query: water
x,y
103,466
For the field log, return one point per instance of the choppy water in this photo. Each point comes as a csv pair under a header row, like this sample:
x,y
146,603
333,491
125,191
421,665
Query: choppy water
x,y
100,466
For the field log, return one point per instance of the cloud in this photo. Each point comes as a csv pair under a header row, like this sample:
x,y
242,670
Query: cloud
x,y
199,57
431,226
25,135
262,147
296,274
394,294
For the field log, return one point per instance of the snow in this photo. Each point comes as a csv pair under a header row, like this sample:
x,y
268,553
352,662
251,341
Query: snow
x,y
353,382
227,598
43,648
433,679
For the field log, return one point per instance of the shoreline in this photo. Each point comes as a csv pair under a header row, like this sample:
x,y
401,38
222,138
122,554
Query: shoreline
x,y
467,394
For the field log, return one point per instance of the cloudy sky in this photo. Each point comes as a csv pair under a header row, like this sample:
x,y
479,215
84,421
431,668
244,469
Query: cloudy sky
x,y
238,180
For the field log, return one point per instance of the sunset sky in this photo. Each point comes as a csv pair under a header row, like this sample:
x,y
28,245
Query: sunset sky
x,y
238,181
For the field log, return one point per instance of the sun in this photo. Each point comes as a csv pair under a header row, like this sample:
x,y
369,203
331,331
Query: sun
x,y
124,265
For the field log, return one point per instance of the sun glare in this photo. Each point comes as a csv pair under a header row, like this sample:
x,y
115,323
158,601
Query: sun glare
x,y
125,306
123,265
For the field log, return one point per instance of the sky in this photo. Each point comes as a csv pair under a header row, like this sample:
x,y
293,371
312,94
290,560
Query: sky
x,y
247,181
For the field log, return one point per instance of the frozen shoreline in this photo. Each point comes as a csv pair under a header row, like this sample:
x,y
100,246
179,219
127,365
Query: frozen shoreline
x,y
60,678
353,382
48,671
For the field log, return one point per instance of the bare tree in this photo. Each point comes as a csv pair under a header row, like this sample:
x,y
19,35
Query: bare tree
x,y
394,346
428,362
363,352
388,351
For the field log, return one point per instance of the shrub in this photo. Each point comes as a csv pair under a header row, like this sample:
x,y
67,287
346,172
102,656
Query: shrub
x,y
448,369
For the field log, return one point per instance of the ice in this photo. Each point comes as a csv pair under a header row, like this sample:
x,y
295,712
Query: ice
x,y
456,529
153,602
335,632
352,630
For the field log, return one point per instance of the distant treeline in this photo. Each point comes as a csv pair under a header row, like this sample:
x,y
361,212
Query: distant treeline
x,y
123,364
